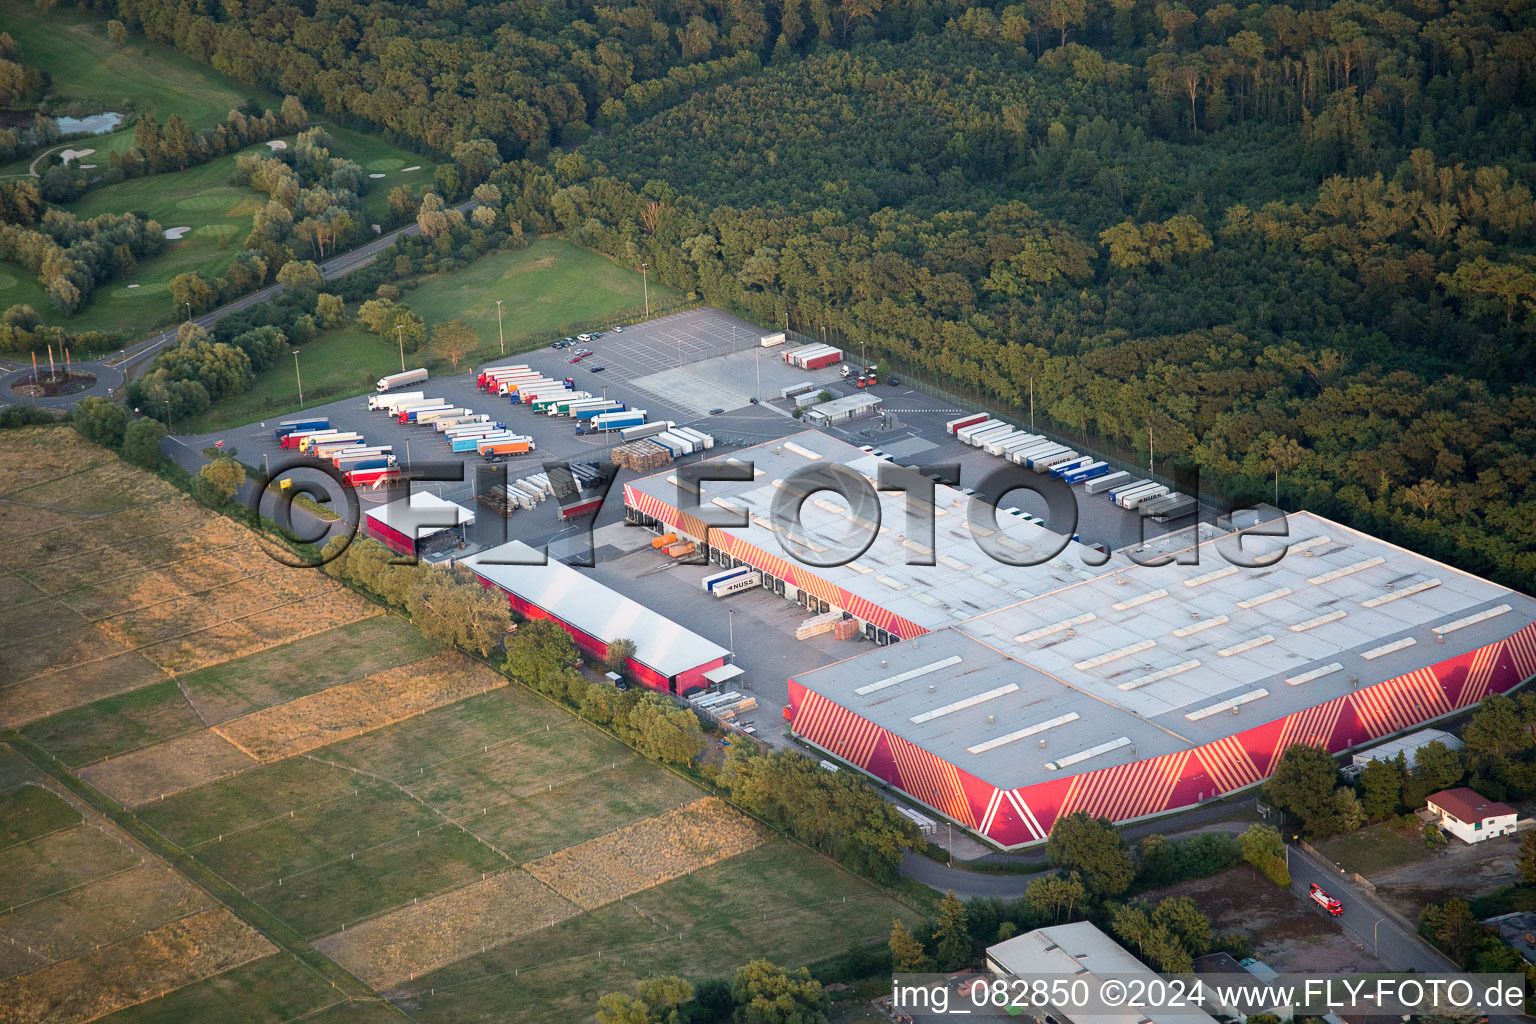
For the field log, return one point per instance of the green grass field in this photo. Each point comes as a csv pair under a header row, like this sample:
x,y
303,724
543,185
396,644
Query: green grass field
x,y
547,289
336,364
378,157
142,76
1373,850
778,901
27,812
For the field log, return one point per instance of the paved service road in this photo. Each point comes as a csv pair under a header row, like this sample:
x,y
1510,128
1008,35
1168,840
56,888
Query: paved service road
x,y
113,371
1363,919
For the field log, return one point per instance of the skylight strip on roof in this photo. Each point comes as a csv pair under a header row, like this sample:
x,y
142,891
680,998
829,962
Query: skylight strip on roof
x,y
928,599
987,577
1210,577
1246,645
1024,733
1160,674
894,584
1317,673
736,509
954,563
1201,627
1474,619
1397,595
965,702
1083,755
1318,620
1230,704
804,453
1055,627
1109,656
1273,595
1346,570
1143,599
1396,645
911,673
1310,542
856,567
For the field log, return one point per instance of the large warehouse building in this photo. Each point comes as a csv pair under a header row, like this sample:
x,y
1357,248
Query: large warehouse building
x,y
1020,694
667,657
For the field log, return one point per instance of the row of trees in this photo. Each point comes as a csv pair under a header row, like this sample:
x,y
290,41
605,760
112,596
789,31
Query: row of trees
x,y
70,256
838,813
759,993
1497,759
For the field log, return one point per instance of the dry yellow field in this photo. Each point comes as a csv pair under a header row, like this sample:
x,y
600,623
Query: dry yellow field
x,y
388,950
100,672
128,972
34,455
647,853
76,921
168,767
360,706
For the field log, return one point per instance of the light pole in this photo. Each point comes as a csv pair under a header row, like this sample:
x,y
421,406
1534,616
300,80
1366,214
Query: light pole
x,y
1031,403
400,337
299,379
1277,485
499,335
1374,941
266,466
168,421
731,625
645,282
189,312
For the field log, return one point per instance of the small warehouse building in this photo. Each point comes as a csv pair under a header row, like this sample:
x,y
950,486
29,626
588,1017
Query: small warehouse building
x,y
420,525
1080,952
841,410
1470,816
667,658
1406,745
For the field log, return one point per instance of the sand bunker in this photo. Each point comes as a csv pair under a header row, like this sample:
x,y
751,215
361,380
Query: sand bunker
x,y
277,144
133,286
74,154
175,233
413,167
375,175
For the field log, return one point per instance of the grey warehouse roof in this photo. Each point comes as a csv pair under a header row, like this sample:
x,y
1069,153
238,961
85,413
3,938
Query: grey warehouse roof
x,y
594,609
1133,661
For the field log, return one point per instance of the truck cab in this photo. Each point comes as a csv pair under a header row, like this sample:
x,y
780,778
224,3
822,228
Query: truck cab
x,y
846,371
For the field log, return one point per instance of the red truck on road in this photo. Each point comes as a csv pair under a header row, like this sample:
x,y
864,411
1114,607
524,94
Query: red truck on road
x,y
1321,898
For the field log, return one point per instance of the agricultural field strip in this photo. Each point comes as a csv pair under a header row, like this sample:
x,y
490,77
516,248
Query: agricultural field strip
x,y
44,483
214,904
674,935
396,782
88,517
82,552
116,577
167,639
139,608
70,888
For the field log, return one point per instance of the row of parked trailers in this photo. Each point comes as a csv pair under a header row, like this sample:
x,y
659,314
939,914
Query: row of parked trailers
x,y
1040,453
464,430
525,386
732,581
813,357
347,450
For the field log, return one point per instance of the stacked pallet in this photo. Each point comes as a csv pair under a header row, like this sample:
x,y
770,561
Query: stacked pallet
x,y
642,456
498,501
681,548
846,629
818,624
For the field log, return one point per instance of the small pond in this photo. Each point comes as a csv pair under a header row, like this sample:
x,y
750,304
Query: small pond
x,y
96,124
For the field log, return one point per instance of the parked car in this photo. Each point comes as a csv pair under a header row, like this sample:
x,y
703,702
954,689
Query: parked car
x,y
618,330
894,381
597,369
716,412
583,351
569,340
596,335
558,344
753,401
583,337
575,359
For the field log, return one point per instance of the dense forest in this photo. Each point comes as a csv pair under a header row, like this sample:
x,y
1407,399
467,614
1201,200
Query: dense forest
x,y
1278,237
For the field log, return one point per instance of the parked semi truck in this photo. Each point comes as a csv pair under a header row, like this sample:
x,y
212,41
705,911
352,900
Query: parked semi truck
x,y
738,584
966,434
1107,482
601,409
404,378
968,420
412,415
645,430
287,427
518,444
614,421
390,402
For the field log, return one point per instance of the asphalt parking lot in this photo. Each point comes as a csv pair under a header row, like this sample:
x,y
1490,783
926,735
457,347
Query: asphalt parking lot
x,y
676,368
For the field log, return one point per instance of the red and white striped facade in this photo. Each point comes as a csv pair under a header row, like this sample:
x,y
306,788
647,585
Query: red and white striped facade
x,y
801,577
1011,818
